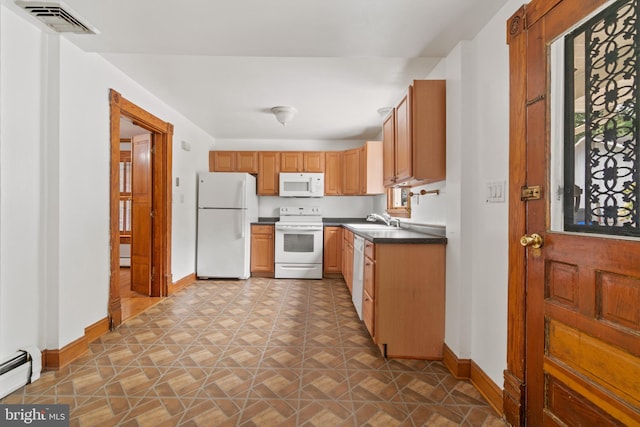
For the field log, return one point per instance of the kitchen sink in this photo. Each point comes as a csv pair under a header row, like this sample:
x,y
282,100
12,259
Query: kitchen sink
x,y
371,227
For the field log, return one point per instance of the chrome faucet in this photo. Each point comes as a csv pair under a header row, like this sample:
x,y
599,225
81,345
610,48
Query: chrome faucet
x,y
385,217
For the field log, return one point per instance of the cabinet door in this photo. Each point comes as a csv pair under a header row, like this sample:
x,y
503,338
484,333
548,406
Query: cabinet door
x,y
404,154
333,173
368,314
389,150
369,276
313,161
371,168
268,171
347,259
332,250
351,172
222,161
291,161
428,106
262,250
247,161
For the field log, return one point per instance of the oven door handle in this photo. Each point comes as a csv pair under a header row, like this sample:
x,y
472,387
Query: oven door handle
x,y
295,228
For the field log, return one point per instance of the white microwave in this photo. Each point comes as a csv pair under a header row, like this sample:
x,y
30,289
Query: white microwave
x,y
294,184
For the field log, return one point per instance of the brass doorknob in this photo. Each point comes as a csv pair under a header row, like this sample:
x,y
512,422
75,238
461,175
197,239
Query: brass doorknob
x,y
535,240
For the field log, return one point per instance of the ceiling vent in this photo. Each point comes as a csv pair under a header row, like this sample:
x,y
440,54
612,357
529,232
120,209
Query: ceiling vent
x,y
57,17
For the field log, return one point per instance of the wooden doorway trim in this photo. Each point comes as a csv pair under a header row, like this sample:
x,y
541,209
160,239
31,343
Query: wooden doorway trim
x,y
514,376
527,91
162,137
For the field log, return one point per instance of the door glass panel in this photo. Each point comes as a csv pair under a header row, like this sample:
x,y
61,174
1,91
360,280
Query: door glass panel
x,y
599,187
298,242
296,185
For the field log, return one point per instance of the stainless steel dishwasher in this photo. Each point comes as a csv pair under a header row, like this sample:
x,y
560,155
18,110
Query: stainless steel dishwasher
x,y
358,274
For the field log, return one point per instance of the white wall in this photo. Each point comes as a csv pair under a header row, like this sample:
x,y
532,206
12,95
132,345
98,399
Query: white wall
x,y
21,198
54,203
491,220
477,74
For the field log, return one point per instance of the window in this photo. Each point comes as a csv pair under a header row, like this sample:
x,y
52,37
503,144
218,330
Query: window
x,y
125,196
399,202
601,152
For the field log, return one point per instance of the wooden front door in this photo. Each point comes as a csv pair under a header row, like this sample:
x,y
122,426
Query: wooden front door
x,y
141,220
574,104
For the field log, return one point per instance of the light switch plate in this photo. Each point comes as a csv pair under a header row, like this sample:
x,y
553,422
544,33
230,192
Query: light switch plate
x,y
495,191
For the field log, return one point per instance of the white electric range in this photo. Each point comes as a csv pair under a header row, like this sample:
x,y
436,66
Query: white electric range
x,y
299,243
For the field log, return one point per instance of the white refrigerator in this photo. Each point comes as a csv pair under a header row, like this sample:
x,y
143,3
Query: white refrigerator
x,y
227,205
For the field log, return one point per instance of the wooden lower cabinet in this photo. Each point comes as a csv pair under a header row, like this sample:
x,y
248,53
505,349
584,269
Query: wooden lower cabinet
x,y
368,296
404,300
332,259
262,250
347,258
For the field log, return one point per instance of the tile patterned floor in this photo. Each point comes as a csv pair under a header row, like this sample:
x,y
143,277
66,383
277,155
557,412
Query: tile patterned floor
x,y
260,352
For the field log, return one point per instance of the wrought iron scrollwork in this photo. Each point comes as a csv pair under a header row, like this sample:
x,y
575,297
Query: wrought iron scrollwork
x,y
601,151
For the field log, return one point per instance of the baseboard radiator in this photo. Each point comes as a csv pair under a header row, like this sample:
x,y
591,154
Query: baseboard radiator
x,y
18,369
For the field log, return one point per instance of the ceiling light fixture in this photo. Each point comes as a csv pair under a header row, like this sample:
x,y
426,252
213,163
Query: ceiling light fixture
x,y
284,114
384,111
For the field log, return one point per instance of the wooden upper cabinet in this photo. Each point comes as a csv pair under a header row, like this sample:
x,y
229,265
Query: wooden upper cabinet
x,y
429,125
268,177
233,161
247,161
418,132
313,161
404,140
351,172
302,161
362,170
222,161
333,173
291,161
371,168
389,149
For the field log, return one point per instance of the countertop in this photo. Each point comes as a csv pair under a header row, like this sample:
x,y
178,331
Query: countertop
x,y
397,236
383,235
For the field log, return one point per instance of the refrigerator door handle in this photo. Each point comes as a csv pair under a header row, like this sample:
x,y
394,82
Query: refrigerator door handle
x,y
243,194
242,223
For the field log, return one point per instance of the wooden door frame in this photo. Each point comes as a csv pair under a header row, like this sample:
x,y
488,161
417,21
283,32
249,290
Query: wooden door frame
x,y
520,53
162,139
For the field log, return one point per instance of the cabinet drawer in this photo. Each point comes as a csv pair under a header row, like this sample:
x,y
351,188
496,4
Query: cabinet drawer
x,y
369,276
262,229
368,307
369,249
